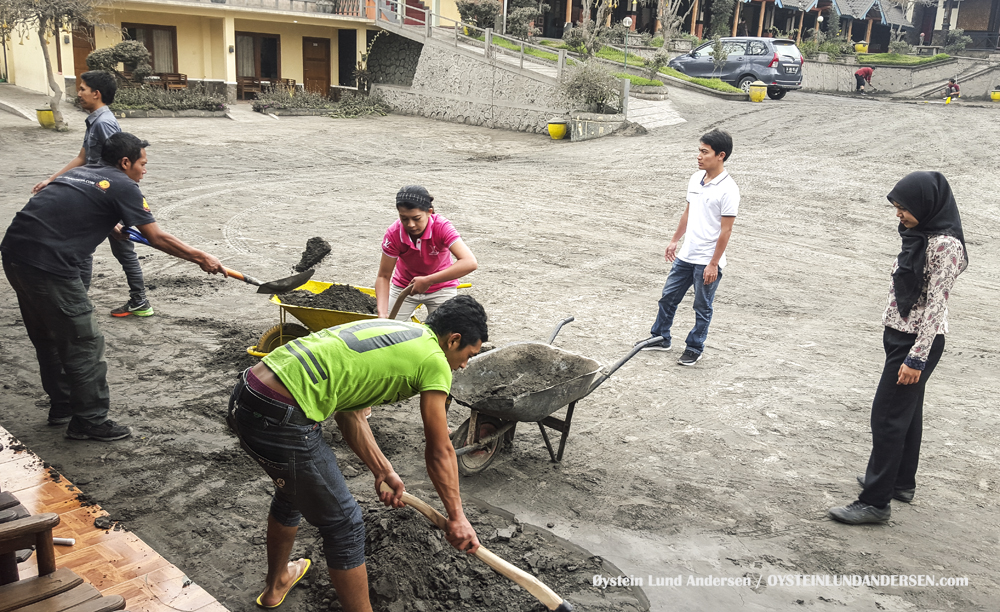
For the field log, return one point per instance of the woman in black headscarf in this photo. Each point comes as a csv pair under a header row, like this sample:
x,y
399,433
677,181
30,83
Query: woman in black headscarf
x,y
932,256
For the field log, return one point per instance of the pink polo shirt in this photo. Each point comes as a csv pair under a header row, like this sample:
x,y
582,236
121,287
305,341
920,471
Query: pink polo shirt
x,y
430,254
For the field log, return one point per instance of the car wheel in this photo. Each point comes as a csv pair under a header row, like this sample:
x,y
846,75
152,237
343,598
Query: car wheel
x,y
746,81
776,94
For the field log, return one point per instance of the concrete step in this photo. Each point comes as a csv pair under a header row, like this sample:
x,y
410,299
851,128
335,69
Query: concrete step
x,y
933,87
652,114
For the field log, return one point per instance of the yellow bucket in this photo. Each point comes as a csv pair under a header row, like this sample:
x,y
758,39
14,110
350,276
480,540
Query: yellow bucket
x,y
758,91
995,95
46,118
861,47
557,129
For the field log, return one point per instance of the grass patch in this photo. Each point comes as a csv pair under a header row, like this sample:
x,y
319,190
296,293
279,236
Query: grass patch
x,y
715,84
554,45
615,55
656,42
639,81
882,59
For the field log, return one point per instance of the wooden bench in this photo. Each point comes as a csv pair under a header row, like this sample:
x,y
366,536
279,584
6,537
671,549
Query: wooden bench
x,y
52,590
245,85
173,80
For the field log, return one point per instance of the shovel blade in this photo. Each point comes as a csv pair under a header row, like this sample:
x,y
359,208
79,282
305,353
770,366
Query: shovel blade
x,y
284,285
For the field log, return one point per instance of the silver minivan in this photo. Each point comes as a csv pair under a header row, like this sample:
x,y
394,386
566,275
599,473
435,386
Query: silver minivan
x,y
775,61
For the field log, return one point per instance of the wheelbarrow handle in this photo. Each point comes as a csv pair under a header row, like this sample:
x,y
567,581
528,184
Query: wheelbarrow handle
x,y
621,362
555,332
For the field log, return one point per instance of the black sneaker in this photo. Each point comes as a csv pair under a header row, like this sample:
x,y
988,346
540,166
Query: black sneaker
x,y
903,495
689,358
859,513
105,432
661,345
142,309
60,415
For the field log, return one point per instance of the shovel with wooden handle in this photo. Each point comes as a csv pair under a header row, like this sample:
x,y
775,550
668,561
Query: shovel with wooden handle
x,y
282,285
531,584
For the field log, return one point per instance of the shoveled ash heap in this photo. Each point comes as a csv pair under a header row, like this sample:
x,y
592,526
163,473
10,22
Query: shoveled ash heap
x,y
316,250
344,298
411,566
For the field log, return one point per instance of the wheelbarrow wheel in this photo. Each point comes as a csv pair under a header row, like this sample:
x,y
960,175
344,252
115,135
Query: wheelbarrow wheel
x,y
475,462
280,334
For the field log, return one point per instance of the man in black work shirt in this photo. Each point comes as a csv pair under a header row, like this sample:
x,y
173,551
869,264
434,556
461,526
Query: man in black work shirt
x,y
43,252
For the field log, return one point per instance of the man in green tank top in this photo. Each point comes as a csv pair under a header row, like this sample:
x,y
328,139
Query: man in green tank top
x,y
277,409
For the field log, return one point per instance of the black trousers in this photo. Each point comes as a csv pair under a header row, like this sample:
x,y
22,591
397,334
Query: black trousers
x,y
69,345
860,82
897,421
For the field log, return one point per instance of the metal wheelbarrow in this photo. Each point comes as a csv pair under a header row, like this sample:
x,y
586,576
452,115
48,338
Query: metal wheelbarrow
x,y
493,387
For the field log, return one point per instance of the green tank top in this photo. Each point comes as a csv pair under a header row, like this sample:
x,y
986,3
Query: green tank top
x,y
360,364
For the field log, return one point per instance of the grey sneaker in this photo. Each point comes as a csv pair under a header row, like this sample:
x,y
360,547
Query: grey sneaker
x,y
689,358
105,432
662,345
859,513
903,495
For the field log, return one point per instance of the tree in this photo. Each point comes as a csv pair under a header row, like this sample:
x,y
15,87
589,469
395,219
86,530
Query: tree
x,y
45,18
670,18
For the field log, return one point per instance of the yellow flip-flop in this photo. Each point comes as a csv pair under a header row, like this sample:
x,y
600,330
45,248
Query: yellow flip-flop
x,y
302,575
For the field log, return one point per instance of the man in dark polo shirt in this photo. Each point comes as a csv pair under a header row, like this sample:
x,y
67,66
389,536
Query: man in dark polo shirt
x,y
95,90
43,251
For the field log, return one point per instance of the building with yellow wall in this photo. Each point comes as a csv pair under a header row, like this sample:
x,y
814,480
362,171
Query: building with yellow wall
x,y
215,42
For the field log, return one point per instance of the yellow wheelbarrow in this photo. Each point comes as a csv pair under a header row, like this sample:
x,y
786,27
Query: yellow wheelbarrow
x,y
314,319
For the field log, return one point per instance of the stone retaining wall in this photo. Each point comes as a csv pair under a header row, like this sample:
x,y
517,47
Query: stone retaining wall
x,y
587,126
450,85
394,59
836,76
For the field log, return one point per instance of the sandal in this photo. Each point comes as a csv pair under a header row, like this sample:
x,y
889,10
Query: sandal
x,y
302,575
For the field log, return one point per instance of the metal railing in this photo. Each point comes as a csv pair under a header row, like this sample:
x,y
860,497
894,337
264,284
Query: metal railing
x,y
397,14
346,8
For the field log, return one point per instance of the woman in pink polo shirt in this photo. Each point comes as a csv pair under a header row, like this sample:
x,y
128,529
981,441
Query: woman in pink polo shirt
x,y
417,250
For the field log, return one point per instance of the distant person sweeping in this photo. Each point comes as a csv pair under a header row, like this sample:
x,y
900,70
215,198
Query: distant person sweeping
x,y
862,76
417,250
915,321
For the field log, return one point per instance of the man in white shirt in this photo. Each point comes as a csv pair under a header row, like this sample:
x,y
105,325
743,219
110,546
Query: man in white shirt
x,y
706,225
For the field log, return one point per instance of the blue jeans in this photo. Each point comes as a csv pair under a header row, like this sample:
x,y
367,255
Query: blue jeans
x,y
682,276
307,481
124,252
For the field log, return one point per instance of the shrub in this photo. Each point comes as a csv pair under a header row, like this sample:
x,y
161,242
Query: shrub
x,y
358,105
482,13
900,47
145,97
660,59
288,97
576,39
131,53
590,83
955,41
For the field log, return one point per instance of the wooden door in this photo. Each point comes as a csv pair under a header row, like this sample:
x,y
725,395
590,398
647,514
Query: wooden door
x,y
83,44
316,65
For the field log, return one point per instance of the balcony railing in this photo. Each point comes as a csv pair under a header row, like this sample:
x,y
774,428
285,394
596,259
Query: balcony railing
x,y
346,8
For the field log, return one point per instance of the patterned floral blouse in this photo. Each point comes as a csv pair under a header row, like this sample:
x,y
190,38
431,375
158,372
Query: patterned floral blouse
x,y
929,316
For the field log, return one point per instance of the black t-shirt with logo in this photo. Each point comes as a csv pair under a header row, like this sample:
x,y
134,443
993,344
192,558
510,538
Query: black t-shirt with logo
x,y
61,226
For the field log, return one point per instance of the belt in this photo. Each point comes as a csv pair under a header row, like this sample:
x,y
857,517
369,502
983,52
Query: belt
x,y
270,408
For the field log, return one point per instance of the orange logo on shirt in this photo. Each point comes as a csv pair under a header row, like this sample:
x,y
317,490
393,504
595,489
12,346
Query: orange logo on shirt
x,y
144,205
104,185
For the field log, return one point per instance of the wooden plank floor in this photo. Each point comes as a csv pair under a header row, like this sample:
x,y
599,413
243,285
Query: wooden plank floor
x,y
115,562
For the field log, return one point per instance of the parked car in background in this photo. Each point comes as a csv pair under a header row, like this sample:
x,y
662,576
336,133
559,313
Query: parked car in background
x,y
775,61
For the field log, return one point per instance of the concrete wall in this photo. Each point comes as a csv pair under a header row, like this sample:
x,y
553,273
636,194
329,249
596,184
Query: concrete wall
x,y
394,59
26,64
981,84
835,76
453,86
